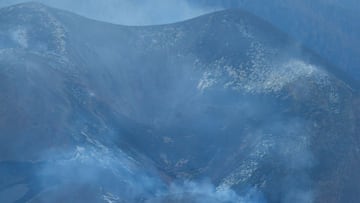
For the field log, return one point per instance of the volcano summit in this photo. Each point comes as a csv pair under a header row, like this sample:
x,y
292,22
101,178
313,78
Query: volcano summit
x,y
220,108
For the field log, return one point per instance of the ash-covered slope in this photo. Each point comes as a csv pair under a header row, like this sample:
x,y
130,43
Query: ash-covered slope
x,y
220,108
330,28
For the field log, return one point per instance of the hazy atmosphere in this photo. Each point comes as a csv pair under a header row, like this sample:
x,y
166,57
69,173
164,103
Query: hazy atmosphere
x,y
328,27
184,101
130,12
147,12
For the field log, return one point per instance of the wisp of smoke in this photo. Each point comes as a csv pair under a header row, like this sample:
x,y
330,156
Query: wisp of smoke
x,y
128,12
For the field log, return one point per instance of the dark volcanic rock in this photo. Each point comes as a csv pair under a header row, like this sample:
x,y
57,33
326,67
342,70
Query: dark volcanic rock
x,y
223,107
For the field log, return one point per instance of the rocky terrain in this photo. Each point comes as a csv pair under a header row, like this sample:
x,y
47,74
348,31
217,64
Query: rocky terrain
x,y
220,108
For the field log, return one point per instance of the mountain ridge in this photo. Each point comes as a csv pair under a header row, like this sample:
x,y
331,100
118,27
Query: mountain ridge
x,y
219,98
235,16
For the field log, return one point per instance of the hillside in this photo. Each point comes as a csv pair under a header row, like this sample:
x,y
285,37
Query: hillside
x,y
223,107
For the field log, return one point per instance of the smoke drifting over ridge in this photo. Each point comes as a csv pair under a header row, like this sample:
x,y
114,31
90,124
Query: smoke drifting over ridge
x,y
273,144
115,173
128,12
